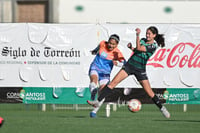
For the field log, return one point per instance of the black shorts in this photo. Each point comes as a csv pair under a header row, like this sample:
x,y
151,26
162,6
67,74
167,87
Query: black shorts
x,y
139,74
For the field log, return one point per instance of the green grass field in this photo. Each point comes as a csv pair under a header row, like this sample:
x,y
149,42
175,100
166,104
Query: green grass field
x,y
20,118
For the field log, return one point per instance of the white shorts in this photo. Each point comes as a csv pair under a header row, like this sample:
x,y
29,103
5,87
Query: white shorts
x,y
102,80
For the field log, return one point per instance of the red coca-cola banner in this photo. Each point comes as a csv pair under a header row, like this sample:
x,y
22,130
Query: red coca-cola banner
x,y
177,56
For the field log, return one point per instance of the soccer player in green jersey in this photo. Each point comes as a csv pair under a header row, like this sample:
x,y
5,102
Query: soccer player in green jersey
x,y
136,65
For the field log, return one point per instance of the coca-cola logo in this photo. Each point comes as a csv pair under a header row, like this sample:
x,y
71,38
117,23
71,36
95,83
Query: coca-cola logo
x,y
181,55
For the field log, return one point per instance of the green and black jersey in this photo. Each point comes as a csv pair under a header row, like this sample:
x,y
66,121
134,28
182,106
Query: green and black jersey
x,y
139,59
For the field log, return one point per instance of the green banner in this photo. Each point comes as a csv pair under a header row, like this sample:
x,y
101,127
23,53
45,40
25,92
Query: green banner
x,y
182,95
55,95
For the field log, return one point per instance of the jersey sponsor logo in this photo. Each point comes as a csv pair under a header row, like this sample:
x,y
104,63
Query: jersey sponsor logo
x,y
104,55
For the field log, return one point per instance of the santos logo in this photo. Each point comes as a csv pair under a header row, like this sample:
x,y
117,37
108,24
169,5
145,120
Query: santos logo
x,y
35,96
179,97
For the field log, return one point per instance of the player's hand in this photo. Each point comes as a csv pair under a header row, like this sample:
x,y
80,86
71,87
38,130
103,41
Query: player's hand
x,y
129,45
93,52
137,31
115,62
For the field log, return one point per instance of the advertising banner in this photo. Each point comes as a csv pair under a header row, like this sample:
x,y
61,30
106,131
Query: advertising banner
x,y
11,95
49,95
32,95
61,95
182,96
122,95
58,55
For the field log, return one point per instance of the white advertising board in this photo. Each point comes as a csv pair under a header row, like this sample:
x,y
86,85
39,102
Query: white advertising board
x,y
58,55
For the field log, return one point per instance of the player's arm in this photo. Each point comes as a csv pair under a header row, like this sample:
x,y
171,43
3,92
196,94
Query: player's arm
x,y
120,61
95,51
139,47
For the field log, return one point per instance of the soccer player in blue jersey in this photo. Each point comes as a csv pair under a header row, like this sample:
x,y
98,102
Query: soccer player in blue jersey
x,y
107,55
136,65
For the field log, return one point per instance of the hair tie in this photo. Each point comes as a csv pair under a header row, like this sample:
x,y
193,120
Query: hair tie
x,y
113,37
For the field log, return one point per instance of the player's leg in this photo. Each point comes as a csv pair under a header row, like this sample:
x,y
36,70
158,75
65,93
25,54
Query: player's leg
x,y
146,85
93,84
107,90
93,90
93,113
103,81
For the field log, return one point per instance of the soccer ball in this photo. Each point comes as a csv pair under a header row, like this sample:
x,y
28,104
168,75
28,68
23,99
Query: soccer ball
x,y
134,105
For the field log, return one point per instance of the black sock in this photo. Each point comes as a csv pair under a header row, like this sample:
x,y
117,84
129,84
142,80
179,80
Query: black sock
x,y
106,91
157,101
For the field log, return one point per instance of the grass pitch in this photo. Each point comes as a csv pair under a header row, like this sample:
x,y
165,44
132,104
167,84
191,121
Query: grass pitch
x,y
22,119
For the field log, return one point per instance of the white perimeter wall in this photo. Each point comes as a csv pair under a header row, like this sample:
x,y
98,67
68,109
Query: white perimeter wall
x,y
127,11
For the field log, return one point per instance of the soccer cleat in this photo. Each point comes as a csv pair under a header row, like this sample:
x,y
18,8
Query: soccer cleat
x,y
93,94
165,112
93,115
93,103
1,121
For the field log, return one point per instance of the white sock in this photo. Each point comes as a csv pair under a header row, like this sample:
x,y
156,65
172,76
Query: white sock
x,y
96,109
92,86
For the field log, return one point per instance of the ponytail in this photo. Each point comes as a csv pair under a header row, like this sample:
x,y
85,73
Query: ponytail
x,y
160,40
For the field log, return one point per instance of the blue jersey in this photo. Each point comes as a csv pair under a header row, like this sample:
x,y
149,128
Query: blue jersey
x,y
103,62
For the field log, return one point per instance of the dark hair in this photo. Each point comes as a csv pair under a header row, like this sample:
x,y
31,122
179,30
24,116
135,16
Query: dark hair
x,y
115,37
159,37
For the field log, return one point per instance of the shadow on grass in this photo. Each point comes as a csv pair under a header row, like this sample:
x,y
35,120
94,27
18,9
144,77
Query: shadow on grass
x,y
64,116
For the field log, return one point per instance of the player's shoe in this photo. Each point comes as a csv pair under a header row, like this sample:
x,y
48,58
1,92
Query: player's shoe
x,y
1,121
93,94
93,103
93,115
165,112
